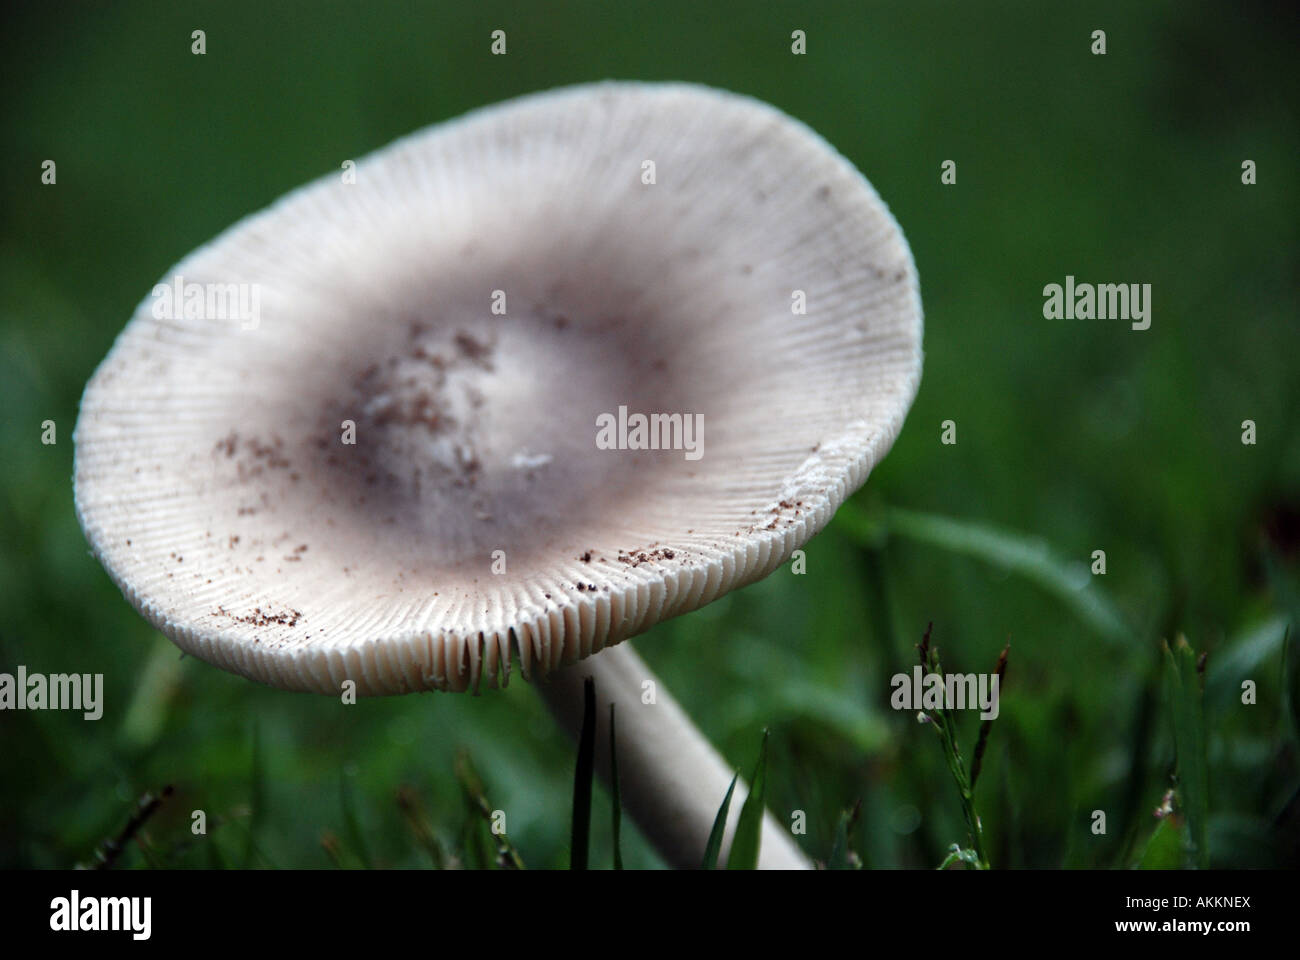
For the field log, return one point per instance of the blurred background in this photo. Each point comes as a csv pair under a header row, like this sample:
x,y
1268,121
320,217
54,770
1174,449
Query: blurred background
x,y
1073,435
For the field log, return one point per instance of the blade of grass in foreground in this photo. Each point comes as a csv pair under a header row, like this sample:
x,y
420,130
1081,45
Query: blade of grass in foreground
x,y
1164,848
1289,600
745,844
842,856
1291,680
615,802
1185,672
714,846
581,836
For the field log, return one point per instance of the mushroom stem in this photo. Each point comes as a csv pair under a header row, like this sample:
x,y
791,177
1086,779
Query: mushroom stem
x,y
671,780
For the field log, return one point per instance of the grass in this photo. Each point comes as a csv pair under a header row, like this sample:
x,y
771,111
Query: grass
x,y
943,719
1072,437
747,842
1179,835
713,848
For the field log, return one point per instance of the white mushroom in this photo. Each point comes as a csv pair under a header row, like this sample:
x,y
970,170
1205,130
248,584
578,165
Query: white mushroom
x,y
369,473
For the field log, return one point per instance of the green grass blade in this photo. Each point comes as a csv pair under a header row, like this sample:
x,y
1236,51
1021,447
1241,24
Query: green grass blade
x,y
1288,598
1189,744
1164,849
842,856
749,828
616,807
475,837
408,802
1029,557
1291,680
582,776
351,825
475,843
714,847
1241,657
154,695
483,846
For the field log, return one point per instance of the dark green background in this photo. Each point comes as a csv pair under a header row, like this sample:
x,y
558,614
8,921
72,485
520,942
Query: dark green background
x,y
1122,168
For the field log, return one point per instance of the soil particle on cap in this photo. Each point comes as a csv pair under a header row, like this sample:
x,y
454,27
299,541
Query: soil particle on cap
x,y
260,618
474,350
634,558
255,455
272,454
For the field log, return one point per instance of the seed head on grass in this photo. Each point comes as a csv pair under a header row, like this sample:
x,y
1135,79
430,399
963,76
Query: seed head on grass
x,y
943,721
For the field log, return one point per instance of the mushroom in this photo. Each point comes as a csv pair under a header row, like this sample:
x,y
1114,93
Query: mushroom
x,y
520,387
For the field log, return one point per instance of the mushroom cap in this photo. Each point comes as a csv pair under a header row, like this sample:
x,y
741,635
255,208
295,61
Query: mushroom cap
x,y
214,482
